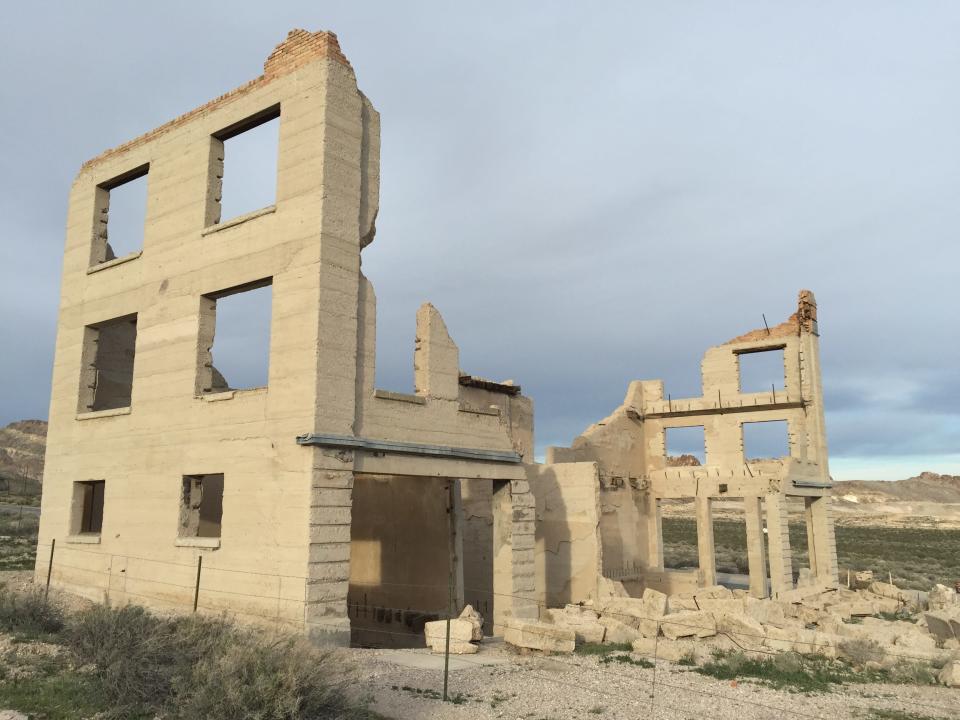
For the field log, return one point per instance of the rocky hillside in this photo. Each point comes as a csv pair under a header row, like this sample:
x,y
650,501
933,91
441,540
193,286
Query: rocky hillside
x,y
925,487
21,454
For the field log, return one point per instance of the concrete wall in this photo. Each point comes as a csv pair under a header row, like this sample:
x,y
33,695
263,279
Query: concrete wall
x,y
569,555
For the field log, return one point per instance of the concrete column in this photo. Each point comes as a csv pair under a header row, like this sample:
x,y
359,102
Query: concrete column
x,y
654,533
514,590
778,540
756,547
823,541
328,567
705,545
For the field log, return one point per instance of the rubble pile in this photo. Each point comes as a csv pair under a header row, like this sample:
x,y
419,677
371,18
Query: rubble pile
x,y
827,620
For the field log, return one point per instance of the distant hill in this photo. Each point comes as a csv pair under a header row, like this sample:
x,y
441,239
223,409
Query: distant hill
x,y
927,500
22,445
925,487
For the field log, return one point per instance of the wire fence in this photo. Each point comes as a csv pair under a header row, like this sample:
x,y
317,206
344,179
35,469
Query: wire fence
x,y
279,598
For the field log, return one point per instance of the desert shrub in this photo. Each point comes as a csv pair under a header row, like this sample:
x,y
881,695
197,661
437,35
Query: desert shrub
x,y
28,612
138,656
286,679
801,673
906,672
861,651
195,667
602,649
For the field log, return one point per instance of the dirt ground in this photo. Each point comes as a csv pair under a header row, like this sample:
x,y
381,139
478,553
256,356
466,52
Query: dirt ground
x,y
536,687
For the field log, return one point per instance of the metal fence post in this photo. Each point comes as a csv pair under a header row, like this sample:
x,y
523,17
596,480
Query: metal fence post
x,y
196,589
46,592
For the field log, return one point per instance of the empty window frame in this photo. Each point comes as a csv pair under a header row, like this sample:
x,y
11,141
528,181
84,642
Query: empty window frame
x,y
234,343
120,210
87,509
766,440
201,506
243,167
106,377
762,369
685,446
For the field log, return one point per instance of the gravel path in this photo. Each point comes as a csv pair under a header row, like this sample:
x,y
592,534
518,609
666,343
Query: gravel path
x,y
534,687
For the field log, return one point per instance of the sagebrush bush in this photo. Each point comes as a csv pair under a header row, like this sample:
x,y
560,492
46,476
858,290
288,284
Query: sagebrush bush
x,y
284,679
195,667
138,656
28,612
860,651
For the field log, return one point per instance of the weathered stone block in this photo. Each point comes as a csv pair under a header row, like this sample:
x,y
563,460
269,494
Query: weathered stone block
x,y
688,624
460,631
765,612
618,632
742,629
475,619
950,674
539,636
655,601
939,625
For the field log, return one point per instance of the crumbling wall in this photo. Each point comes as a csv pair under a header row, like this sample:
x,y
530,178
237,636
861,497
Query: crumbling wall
x,y
569,555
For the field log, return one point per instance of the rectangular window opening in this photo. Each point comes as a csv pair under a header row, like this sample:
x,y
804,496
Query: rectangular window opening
x,y
120,216
243,167
235,338
87,507
201,506
106,378
762,370
679,525
766,440
685,446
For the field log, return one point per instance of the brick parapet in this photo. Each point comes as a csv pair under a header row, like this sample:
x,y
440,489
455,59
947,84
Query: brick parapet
x,y
300,48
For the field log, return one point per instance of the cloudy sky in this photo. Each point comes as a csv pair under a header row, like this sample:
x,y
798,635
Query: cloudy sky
x,y
590,194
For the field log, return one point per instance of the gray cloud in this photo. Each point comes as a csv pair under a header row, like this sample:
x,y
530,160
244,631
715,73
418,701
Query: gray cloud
x,y
589,196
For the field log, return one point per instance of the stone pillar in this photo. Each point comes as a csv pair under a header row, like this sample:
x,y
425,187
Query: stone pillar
x,y
756,547
778,541
706,547
514,590
328,568
823,541
654,532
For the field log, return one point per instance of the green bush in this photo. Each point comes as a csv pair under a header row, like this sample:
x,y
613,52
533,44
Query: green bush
x,y
195,667
281,680
28,612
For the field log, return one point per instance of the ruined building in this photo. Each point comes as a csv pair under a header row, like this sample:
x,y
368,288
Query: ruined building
x,y
318,501
626,453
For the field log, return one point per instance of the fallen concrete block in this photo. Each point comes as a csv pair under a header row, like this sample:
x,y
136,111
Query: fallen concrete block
x,y
618,632
608,589
634,612
475,619
886,590
682,602
583,622
941,597
688,624
939,625
765,612
655,601
742,629
950,674
460,631
539,636
713,592
722,605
